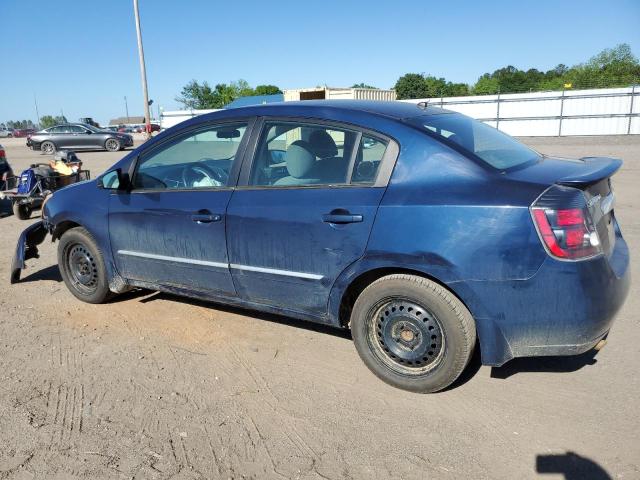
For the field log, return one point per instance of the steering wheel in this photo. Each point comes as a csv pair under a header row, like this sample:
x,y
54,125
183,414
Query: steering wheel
x,y
216,176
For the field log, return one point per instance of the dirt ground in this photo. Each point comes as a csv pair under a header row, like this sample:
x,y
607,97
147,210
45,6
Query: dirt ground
x,y
154,386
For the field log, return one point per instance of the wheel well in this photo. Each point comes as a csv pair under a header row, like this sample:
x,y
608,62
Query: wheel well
x,y
62,227
361,282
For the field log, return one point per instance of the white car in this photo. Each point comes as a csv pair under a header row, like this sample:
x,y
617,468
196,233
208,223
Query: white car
x,y
6,132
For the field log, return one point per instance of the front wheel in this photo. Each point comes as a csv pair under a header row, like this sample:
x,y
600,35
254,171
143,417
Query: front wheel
x,y
82,266
412,333
112,145
23,212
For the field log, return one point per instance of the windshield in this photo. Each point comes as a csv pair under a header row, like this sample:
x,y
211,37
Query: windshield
x,y
487,143
91,127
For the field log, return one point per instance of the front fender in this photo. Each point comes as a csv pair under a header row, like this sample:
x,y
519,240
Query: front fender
x,y
27,248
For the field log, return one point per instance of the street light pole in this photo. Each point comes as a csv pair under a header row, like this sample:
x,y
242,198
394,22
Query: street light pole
x,y
143,71
126,109
35,102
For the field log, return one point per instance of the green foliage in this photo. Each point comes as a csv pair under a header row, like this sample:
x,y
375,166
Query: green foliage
x,y
363,85
19,124
411,85
267,90
415,85
613,67
47,121
201,96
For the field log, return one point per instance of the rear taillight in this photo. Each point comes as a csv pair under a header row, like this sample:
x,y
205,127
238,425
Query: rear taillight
x,y
2,154
565,225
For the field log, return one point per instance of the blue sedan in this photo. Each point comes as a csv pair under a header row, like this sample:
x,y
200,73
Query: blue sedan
x,y
426,233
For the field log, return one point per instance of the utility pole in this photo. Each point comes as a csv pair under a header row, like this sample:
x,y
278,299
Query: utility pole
x,y
126,108
35,101
143,70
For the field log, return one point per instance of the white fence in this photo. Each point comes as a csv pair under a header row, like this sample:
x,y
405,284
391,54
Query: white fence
x,y
604,111
170,118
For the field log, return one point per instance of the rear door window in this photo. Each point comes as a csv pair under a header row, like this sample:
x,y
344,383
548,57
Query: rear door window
x,y
291,154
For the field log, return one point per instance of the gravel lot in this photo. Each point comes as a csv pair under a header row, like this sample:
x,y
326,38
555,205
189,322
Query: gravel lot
x,y
154,386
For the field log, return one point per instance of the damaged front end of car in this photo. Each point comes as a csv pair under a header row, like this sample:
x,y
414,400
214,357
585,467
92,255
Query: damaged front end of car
x,y
27,247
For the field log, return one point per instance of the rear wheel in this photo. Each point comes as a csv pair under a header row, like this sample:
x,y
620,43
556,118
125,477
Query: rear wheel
x,y
48,147
412,332
112,145
82,266
23,212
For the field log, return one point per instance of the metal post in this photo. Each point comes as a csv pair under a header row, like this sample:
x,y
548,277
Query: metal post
x,y
633,92
498,112
143,71
35,101
126,108
561,111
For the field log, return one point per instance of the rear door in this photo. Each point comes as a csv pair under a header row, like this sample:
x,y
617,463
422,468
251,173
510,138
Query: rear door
x,y
170,229
304,209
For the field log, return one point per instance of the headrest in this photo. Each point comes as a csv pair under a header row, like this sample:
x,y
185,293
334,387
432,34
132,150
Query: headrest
x,y
322,145
299,159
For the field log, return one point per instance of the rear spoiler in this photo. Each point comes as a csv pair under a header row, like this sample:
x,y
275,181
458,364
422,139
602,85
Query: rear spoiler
x,y
597,168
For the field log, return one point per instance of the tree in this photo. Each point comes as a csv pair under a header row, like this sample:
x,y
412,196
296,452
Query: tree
x,y
201,96
18,124
267,90
196,96
414,85
363,85
411,85
612,67
47,121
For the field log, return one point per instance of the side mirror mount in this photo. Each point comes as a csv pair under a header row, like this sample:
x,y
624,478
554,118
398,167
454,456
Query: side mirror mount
x,y
88,132
114,180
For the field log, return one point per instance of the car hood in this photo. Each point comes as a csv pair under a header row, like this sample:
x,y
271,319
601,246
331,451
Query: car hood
x,y
565,171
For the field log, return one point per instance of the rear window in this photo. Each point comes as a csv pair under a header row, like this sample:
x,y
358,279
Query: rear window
x,y
490,145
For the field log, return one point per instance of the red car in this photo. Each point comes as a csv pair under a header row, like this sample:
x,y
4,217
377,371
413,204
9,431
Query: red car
x,y
23,132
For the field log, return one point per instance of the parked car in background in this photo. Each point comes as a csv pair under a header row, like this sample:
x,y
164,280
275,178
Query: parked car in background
x,y
425,232
78,136
23,132
6,132
5,169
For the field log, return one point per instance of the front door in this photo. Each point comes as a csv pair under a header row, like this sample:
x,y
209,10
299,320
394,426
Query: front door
x,y
170,229
305,211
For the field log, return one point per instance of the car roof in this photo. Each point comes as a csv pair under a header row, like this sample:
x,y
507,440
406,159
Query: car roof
x,y
390,109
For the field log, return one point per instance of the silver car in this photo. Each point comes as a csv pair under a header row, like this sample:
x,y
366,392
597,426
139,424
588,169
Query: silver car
x,y
78,136
6,132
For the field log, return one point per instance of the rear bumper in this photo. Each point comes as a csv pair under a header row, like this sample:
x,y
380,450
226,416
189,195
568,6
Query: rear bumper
x,y
566,308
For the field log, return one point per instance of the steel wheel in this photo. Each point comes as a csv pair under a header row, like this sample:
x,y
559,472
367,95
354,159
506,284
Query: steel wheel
x,y
82,268
405,336
48,148
112,145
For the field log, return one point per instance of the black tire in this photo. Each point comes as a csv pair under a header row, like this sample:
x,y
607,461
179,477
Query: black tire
x,y
23,212
82,266
413,333
48,147
112,145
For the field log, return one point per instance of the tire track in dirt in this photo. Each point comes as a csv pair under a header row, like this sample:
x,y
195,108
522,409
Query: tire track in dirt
x,y
287,428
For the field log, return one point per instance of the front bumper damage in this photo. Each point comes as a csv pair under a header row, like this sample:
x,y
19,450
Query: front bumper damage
x,y
27,248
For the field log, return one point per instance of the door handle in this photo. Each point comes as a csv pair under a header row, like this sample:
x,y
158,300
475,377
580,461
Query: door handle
x,y
341,218
206,217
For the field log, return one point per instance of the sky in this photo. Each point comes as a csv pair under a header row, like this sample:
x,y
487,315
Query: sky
x,y
80,57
